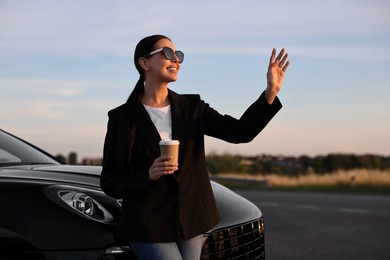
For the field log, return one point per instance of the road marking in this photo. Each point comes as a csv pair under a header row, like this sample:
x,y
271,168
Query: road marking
x,y
271,204
302,206
360,211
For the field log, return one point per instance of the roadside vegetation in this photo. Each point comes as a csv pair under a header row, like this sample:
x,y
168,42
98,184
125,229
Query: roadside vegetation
x,y
348,181
335,172
332,172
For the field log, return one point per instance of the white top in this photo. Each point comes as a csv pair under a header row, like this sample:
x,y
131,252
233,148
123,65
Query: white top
x,y
162,119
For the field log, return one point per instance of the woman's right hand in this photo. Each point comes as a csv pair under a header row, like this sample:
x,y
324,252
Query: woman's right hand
x,y
275,75
162,166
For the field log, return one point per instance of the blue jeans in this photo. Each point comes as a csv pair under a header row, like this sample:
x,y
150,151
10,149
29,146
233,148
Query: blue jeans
x,y
184,250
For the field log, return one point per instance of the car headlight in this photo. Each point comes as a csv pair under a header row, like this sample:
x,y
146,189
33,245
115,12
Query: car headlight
x,y
85,205
89,203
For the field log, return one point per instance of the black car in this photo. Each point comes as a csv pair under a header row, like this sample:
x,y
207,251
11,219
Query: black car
x,y
53,211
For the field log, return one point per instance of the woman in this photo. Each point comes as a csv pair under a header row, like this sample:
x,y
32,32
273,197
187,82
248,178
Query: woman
x,y
167,207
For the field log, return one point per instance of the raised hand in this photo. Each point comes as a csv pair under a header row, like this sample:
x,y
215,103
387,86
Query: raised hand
x,y
275,75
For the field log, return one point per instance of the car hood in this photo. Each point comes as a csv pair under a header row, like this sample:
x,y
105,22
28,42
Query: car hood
x,y
83,175
77,169
233,208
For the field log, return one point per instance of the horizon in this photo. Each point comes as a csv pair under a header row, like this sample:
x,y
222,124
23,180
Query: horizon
x,y
80,159
64,65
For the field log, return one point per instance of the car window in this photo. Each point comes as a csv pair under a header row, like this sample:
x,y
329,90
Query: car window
x,y
14,151
6,157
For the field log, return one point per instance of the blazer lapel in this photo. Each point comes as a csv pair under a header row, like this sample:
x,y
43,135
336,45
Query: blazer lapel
x,y
147,130
179,112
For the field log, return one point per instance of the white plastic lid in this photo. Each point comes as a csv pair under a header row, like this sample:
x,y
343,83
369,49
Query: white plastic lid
x,y
169,142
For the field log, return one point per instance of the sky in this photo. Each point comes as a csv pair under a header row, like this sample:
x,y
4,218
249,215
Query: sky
x,y
65,64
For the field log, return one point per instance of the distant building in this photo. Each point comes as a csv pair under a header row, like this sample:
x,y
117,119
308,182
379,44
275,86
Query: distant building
x,y
92,161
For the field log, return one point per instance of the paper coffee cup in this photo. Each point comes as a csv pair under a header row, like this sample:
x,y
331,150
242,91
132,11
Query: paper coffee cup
x,y
170,147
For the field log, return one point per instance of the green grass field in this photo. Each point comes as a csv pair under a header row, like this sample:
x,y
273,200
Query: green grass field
x,y
363,181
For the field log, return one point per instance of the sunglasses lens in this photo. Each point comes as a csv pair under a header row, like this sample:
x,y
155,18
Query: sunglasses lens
x,y
180,56
169,54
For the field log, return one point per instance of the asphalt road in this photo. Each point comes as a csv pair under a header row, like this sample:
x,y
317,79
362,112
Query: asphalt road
x,y
302,225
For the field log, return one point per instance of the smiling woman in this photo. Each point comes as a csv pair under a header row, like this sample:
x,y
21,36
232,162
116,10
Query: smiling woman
x,y
167,206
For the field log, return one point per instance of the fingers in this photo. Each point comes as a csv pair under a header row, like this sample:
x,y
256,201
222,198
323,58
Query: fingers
x,y
272,58
284,58
280,55
280,60
285,66
162,166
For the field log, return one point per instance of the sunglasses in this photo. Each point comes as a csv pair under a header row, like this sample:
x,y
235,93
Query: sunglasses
x,y
168,53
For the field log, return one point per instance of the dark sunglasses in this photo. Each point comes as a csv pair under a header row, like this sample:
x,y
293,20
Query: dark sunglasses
x,y
168,53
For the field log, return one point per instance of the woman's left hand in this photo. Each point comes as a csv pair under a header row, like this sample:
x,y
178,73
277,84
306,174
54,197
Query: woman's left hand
x,y
275,75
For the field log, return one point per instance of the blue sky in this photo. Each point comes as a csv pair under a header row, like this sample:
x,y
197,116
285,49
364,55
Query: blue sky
x,y
64,64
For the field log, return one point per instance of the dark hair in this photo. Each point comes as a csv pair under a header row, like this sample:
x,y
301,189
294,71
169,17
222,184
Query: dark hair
x,y
144,47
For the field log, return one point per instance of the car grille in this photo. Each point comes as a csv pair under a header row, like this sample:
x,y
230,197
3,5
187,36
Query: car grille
x,y
237,242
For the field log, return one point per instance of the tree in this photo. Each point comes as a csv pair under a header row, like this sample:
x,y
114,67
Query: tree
x,y
225,163
60,158
72,158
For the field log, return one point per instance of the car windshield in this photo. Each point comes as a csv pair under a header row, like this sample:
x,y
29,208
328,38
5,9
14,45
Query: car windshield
x,y
14,151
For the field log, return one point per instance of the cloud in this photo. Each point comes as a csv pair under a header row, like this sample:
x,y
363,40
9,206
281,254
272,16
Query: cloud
x,y
55,87
64,64
55,100
57,115
65,92
115,27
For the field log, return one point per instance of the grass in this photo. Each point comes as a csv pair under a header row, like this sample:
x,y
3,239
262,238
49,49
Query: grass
x,y
370,181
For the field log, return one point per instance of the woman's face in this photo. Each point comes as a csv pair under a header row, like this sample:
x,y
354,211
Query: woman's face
x,y
160,68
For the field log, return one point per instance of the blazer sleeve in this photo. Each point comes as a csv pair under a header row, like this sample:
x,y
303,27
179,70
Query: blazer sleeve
x,y
118,179
244,129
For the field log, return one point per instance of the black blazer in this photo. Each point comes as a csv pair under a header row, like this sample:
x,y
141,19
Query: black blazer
x,y
181,205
